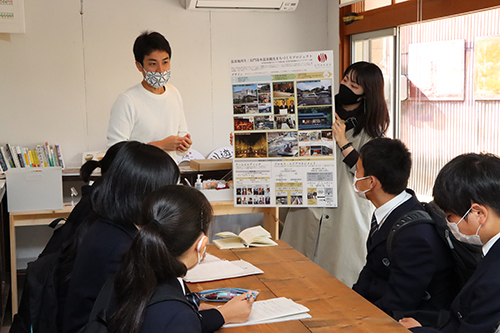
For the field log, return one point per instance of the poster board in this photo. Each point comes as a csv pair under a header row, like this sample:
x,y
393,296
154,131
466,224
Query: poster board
x,y
283,144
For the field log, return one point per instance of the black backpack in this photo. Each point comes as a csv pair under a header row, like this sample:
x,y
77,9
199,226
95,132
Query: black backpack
x,y
39,307
105,303
465,256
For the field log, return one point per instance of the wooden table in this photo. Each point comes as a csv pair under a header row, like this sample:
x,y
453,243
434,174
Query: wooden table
x,y
44,217
334,307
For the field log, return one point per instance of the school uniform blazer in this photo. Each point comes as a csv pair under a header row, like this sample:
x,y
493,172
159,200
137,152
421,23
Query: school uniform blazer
x,y
477,307
420,267
175,316
99,256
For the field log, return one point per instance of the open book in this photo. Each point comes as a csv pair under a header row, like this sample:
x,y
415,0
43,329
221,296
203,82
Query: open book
x,y
254,236
213,268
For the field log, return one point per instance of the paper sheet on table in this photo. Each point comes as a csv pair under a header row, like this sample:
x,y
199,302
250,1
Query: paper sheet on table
x,y
211,269
274,310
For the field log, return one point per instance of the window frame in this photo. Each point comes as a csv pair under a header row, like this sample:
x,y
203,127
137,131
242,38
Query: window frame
x,y
399,14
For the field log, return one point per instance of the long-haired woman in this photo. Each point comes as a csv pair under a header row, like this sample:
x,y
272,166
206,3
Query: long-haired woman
x,y
335,238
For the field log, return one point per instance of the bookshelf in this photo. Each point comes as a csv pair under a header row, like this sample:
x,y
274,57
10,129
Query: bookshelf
x,y
41,155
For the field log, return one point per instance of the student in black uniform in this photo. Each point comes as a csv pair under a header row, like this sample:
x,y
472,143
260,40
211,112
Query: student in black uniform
x,y
417,275
137,170
172,239
467,189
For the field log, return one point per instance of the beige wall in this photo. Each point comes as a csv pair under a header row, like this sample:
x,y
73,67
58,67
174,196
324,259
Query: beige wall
x,y
59,79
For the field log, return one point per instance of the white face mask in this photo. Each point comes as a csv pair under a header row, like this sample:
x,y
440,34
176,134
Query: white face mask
x,y
198,248
155,79
361,194
470,239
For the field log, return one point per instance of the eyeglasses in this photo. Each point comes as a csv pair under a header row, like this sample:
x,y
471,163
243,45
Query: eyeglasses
x,y
463,217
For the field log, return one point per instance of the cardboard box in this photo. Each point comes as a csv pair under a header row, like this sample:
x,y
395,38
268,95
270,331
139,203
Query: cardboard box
x,y
210,165
31,189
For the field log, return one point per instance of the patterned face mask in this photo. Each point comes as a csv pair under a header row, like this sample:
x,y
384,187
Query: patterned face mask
x,y
155,79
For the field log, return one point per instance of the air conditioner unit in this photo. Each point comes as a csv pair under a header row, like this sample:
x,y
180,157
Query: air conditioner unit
x,y
278,5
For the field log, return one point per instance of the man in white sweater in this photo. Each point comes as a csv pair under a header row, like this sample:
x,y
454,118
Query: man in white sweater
x,y
151,111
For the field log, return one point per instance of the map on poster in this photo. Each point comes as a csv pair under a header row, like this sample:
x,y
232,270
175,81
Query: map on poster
x,y
284,152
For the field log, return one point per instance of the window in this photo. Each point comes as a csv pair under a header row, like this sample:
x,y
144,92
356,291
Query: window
x,y
452,67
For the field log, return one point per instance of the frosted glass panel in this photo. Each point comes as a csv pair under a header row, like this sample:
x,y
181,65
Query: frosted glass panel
x,y
435,128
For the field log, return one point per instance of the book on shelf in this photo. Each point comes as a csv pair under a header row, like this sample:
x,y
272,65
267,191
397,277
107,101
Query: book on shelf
x,y
4,164
13,154
254,236
6,155
42,155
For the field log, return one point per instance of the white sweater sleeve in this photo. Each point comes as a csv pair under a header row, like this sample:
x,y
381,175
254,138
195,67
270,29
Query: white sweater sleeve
x,y
121,121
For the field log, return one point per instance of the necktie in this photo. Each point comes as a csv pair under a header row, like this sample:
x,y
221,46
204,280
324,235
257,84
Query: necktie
x,y
373,226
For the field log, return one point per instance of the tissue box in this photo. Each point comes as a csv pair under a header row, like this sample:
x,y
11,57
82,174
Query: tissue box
x,y
34,189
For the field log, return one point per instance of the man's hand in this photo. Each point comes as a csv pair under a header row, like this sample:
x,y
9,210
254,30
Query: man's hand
x,y
174,143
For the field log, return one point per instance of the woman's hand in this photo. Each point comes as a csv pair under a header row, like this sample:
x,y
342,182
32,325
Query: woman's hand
x,y
338,130
238,309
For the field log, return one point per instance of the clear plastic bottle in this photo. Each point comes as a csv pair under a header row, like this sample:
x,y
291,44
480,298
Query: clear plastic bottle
x,y
199,184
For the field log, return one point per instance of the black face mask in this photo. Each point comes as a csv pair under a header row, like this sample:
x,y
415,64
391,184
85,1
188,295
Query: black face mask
x,y
347,96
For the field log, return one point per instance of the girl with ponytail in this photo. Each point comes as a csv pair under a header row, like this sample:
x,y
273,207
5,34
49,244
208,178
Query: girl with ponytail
x,y
136,171
172,239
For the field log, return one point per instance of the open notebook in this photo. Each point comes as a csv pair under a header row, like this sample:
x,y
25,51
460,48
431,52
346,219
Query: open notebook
x,y
274,310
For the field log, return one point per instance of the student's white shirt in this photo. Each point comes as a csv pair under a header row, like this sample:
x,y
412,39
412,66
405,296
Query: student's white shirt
x,y
490,243
140,115
386,209
181,282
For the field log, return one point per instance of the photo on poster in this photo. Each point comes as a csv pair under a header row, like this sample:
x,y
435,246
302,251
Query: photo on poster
x,y
264,122
252,108
265,108
282,200
305,151
312,195
296,200
264,92
283,89
316,151
326,136
250,145
280,106
317,117
239,109
314,136
326,151
282,144
244,93
304,137
285,122
243,123
314,92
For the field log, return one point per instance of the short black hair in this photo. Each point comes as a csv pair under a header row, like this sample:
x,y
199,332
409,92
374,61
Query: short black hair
x,y
148,42
467,179
389,160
